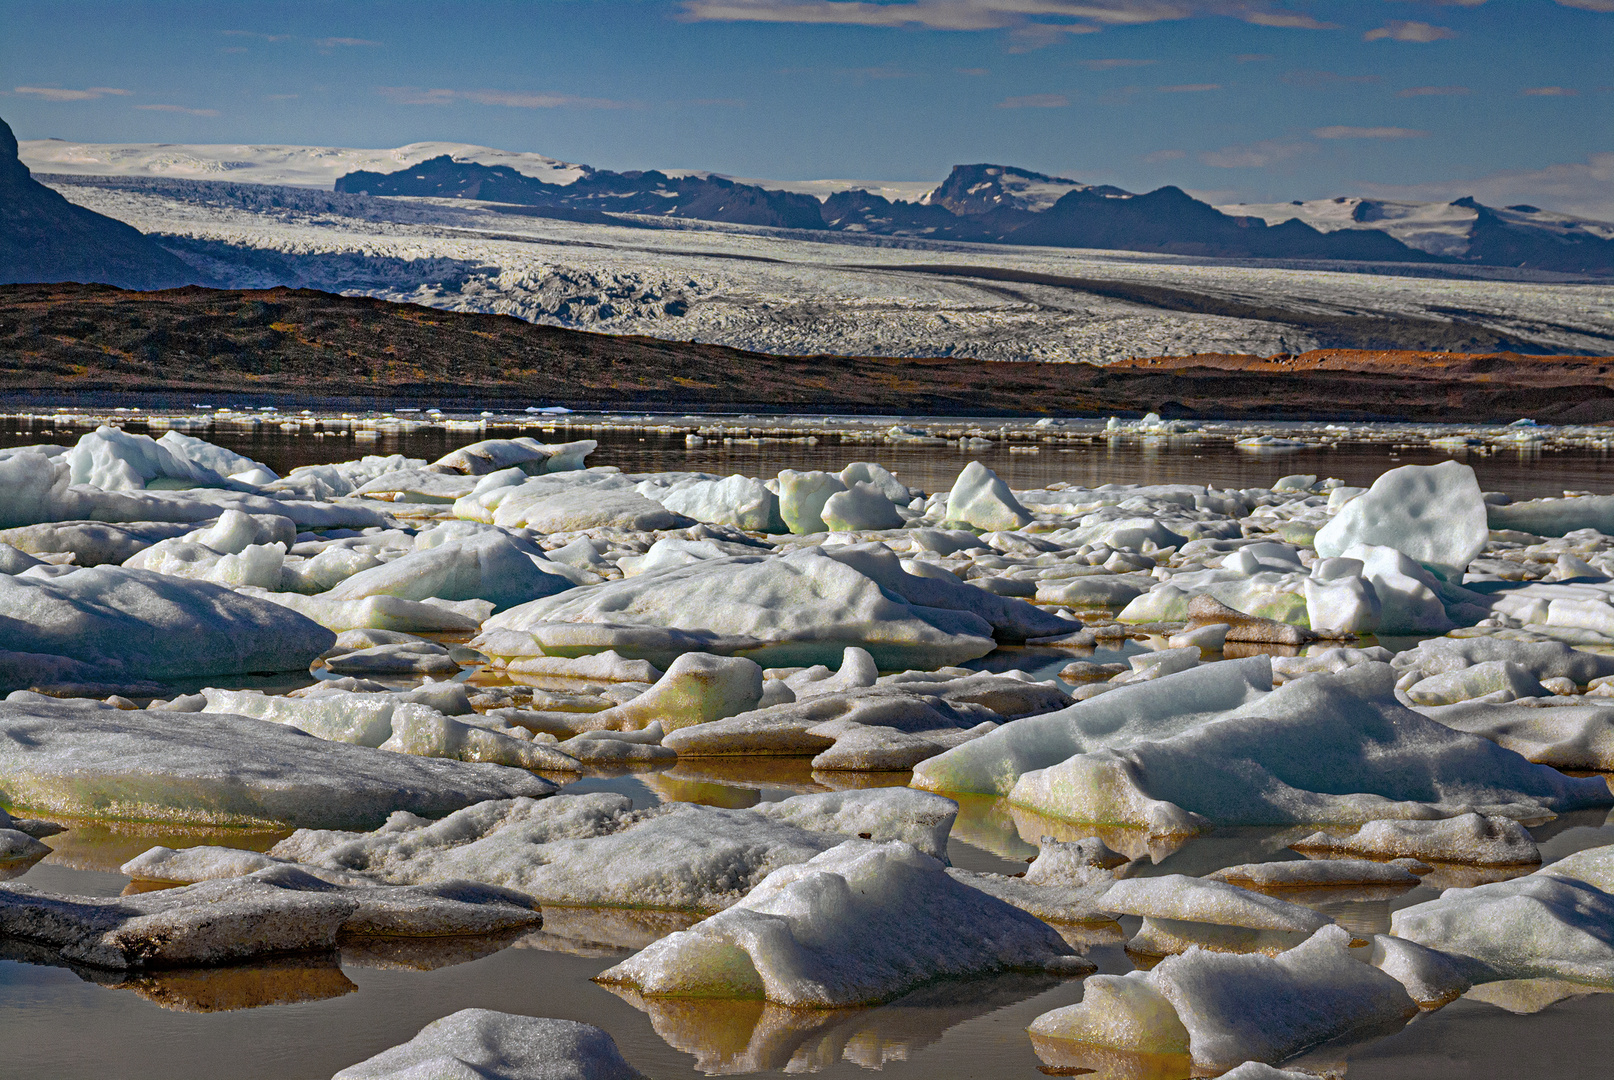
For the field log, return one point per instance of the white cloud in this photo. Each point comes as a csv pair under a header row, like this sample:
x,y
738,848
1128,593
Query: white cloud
x,y
1342,131
1033,20
1255,155
349,42
1115,62
1434,91
57,93
1189,88
414,95
1421,33
1035,101
1584,187
1589,5
1549,91
178,109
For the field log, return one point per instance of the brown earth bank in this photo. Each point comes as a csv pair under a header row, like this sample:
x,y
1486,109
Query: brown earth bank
x,y
93,344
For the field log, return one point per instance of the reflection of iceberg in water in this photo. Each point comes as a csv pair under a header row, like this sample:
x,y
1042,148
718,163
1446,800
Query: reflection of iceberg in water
x,y
586,931
984,822
281,981
425,953
729,1037
1525,996
16,868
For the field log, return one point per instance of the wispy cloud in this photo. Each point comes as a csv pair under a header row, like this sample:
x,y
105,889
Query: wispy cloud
x,y
57,93
1189,88
1029,20
1318,80
1421,33
346,42
973,72
1254,57
1434,91
1255,155
1112,62
1035,101
1164,155
257,36
1343,131
184,110
1589,5
1550,91
414,95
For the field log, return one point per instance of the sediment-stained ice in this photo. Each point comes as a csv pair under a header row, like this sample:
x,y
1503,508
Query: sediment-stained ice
x,y
94,761
859,924
479,1044
1466,838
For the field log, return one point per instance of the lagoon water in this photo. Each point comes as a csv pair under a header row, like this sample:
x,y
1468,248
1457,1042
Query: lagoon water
x,y
303,1019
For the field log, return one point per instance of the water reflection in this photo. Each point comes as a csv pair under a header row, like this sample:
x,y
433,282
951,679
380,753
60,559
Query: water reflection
x,y
728,1037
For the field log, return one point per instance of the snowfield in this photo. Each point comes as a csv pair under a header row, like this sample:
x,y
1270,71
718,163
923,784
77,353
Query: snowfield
x,y
793,292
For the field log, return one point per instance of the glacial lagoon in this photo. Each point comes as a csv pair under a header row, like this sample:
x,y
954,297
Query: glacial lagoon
x,y
300,1017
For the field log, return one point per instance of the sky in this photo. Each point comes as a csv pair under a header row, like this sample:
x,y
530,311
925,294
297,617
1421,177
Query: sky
x,y
1509,100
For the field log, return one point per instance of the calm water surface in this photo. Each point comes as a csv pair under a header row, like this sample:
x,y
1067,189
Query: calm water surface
x,y
305,1019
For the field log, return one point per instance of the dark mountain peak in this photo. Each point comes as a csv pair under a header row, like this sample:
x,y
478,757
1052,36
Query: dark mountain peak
x,y
45,238
983,188
1469,201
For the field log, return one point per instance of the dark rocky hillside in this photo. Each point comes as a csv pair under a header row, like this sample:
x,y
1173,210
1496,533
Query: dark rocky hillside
x,y
65,343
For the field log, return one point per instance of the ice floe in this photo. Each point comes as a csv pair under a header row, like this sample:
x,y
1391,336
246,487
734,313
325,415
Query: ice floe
x,y
480,1044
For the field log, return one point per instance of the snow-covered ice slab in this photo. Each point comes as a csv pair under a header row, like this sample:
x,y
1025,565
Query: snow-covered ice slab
x,y
1213,1011
1545,925
1325,749
802,608
1466,838
859,924
991,765
133,625
1181,912
93,761
596,851
479,1044
1434,514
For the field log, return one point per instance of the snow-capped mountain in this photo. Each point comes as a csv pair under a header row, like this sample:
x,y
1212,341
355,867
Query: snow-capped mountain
x,y
1462,229
293,166
980,189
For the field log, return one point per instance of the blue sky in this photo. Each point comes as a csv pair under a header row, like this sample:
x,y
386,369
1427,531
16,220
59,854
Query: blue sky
x,y
1513,101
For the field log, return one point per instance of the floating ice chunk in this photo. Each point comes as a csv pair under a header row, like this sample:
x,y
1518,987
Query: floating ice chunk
x,y
1319,661
1431,513
1207,610
602,666
1431,978
1594,866
1494,680
861,507
478,1044
696,689
1408,601
1467,838
1323,749
1235,1008
210,456
913,817
802,496
574,508
1315,873
15,846
992,764
805,607
1555,517
857,669
1565,737
858,924
215,769
114,460
881,478
398,658
595,850
1073,862
1208,638
981,500
235,531
1155,665
212,923
487,567
601,750
1181,912
737,500
672,551
425,732
1339,602
1542,659
381,612
135,624
1541,925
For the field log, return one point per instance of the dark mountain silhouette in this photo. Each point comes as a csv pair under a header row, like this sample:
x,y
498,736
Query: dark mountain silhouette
x,y
707,198
1497,241
45,238
995,204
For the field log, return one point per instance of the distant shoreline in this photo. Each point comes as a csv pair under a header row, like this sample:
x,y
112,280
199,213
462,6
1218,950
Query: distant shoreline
x,y
99,347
